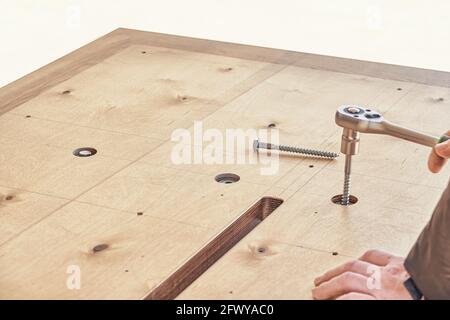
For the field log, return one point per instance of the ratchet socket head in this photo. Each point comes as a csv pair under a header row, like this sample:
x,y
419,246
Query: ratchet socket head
x,y
350,142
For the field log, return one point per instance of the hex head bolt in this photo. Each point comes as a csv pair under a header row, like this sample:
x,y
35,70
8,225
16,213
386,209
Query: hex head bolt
x,y
310,152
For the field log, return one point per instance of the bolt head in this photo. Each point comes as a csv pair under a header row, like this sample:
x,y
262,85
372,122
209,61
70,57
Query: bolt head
x,y
255,145
353,110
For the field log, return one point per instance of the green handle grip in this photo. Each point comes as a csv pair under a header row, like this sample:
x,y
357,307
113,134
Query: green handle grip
x,y
443,138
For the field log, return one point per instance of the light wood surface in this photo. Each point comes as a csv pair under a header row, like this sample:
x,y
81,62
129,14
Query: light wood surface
x,y
124,94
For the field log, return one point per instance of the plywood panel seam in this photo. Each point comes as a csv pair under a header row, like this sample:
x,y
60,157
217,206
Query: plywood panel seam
x,y
310,178
144,213
75,198
207,174
299,245
248,88
70,150
35,192
34,223
355,173
147,214
403,96
89,127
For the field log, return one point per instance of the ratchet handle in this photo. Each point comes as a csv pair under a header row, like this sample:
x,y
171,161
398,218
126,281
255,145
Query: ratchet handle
x,y
404,133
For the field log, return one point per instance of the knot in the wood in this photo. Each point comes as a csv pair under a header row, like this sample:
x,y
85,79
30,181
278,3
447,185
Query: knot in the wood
x,y
182,98
100,247
262,250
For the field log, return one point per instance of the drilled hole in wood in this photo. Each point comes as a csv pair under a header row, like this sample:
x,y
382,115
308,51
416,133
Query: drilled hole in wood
x,y
66,92
272,125
335,253
84,152
337,199
227,178
27,116
216,248
399,89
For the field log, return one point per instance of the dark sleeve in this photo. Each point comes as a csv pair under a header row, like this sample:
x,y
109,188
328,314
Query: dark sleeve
x,y
428,262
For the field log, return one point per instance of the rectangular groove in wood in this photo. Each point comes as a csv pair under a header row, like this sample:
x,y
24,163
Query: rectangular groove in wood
x,y
211,252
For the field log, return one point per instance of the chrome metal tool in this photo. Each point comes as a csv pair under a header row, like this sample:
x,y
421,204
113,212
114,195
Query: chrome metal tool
x,y
355,119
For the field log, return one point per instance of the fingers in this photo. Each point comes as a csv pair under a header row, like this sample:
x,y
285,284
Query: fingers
x,y
356,296
443,149
377,257
356,266
436,162
439,155
344,283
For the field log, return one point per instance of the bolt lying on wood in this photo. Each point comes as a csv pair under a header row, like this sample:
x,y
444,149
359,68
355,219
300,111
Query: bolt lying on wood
x,y
310,152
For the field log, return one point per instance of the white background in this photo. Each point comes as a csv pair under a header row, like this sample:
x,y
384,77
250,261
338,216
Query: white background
x,y
406,32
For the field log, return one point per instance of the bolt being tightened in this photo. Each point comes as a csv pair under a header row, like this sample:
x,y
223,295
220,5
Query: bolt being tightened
x,y
355,119
348,170
310,152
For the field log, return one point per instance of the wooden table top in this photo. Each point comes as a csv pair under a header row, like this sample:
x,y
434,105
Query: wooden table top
x,y
135,225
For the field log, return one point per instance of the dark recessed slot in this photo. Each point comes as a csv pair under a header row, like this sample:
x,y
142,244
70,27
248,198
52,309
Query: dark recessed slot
x,y
212,251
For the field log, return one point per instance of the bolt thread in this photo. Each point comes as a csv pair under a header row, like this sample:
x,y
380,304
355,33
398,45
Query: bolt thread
x,y
310,152
346,193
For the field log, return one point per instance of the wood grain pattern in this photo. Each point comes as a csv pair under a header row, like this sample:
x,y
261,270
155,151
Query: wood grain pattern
x,y
281,271
51,170
307,60
130,218
20,209
60,70
63,135
139,251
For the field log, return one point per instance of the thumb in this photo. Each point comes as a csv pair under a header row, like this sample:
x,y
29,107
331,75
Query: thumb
x,y
443,149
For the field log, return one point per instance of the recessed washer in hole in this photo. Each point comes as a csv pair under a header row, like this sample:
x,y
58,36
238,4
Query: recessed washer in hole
x,y
84,152
227,178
